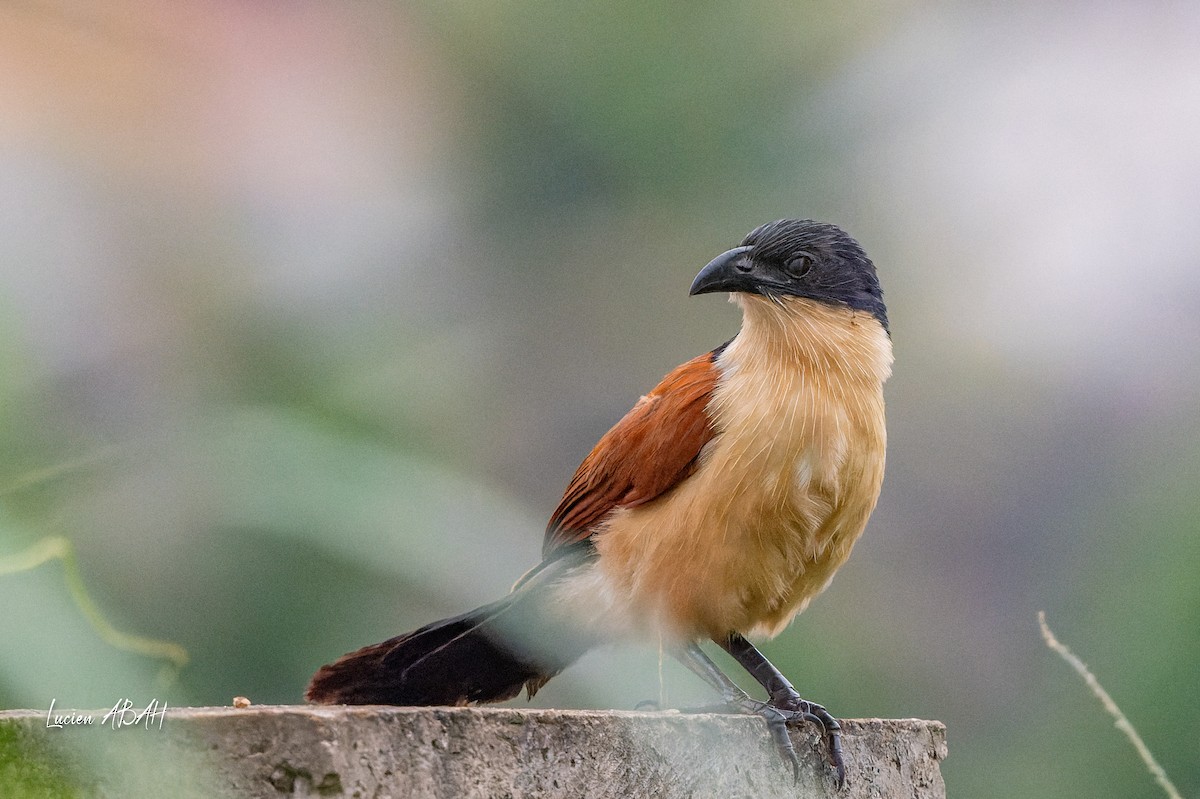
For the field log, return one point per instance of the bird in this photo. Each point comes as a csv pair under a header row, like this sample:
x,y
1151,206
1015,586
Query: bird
x,y
715,510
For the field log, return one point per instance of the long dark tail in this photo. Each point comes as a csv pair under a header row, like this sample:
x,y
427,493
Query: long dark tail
x,y
486,655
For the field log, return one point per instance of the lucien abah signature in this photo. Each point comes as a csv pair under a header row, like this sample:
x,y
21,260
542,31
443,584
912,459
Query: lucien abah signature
x,y
124,713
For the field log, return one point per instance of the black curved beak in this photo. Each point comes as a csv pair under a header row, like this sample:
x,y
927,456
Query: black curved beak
x,y
729,271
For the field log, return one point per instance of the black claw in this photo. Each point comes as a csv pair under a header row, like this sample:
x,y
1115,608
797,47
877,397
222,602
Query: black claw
x,y
815,720
832,733
777,725
826,724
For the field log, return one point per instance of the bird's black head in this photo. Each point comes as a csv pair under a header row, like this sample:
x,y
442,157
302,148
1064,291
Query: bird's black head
x,y
798,258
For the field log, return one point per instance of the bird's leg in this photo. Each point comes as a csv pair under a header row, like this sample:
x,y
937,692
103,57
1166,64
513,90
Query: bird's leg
x,y
785,697
777,719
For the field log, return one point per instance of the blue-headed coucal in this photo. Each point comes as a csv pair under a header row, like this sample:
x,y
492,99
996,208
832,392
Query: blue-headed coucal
x,y
717,508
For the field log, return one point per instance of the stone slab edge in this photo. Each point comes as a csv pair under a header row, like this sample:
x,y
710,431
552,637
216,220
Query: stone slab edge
x,y
367,751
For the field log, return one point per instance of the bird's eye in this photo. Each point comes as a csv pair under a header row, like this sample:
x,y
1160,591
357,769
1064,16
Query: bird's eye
x,y
798,266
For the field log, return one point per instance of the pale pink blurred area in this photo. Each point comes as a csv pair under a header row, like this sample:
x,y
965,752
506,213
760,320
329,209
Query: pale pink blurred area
x,y
210,96
161,156
308,310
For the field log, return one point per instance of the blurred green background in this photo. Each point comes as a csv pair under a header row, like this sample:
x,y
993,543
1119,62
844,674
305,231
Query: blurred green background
x,y
309,310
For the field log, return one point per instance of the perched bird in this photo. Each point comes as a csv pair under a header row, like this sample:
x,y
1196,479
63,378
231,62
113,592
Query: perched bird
x,y
717,508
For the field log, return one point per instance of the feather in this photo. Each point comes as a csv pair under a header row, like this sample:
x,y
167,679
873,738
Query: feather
x,y
642,457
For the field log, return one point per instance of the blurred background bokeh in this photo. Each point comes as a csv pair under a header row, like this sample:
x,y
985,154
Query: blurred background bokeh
x,y
309,310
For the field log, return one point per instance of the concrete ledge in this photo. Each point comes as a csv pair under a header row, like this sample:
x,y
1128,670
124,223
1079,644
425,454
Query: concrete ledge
x,y
279,751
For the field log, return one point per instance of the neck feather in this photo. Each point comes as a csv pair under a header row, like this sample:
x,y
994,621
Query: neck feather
x,y
801,333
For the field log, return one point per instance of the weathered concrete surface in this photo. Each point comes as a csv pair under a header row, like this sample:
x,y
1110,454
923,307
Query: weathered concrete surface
x,y
455,752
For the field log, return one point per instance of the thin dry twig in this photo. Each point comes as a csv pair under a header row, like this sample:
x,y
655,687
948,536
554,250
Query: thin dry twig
x,y
1123,724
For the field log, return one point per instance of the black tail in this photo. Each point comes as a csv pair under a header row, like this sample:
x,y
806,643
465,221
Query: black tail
x,y
486,655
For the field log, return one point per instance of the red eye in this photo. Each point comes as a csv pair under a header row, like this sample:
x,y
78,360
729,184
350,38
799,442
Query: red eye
x,y
798,265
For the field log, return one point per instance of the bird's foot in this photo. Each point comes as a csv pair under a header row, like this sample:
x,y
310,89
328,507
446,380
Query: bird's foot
x,y
784,712
830,729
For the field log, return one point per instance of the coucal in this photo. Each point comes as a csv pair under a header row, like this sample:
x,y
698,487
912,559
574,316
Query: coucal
x,y
717,508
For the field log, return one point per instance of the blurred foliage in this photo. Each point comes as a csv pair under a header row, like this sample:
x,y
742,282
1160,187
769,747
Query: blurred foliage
x,y
56,548
27,770
307,313
645,103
